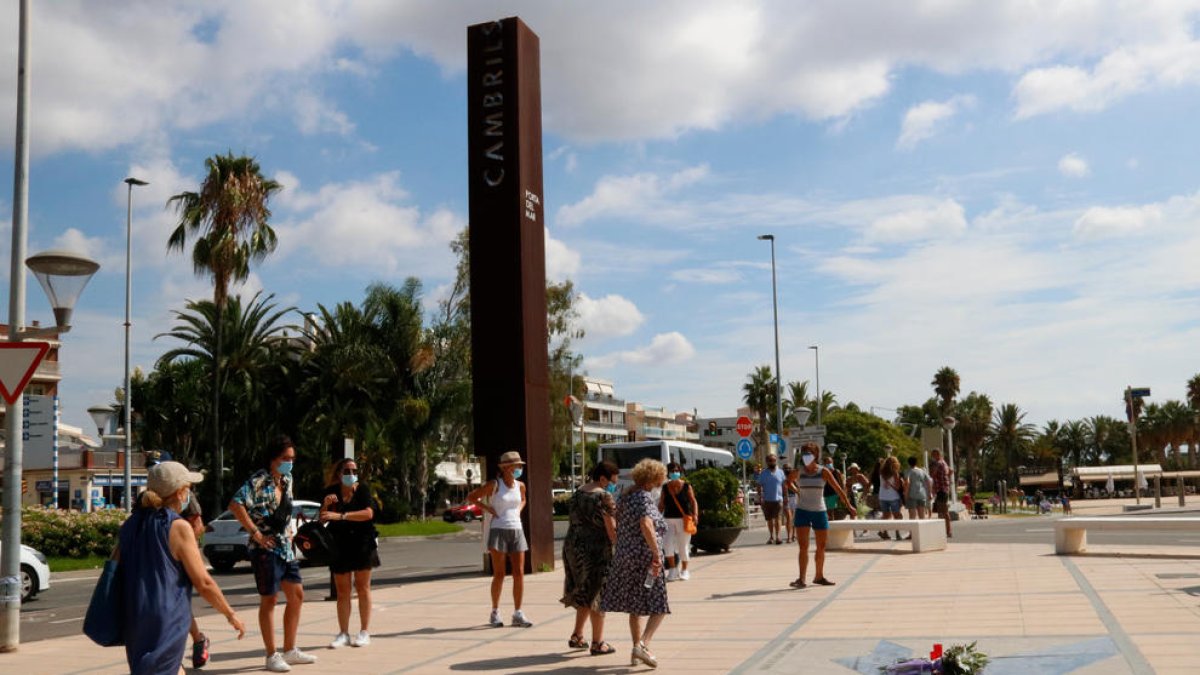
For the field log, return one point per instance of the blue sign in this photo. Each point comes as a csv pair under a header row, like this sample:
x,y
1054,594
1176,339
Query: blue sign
x,y
775,438
745,449
782,447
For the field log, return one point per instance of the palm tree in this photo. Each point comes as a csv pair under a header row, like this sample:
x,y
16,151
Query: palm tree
x,y
796,397
946,386
1011,436
227,219
1193,399
759,394
971,434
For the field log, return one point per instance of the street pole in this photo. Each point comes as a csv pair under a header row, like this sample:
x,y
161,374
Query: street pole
x,y
817,377
10,558
775,311
128,403
953,475
1137,491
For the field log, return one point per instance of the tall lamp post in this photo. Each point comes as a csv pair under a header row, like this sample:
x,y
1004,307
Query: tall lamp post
x,y
948,423
817,376
775,311
128,402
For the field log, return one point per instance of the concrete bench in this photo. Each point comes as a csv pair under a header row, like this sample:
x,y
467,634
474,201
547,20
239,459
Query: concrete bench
x,y
927,535
1070,534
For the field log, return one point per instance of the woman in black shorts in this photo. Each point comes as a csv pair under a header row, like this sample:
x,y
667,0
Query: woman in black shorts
x,y
346,508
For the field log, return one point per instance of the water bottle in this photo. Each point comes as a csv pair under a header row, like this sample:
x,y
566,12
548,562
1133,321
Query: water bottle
x,y
650,578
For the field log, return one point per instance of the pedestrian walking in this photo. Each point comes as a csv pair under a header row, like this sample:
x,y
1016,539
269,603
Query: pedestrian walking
x,y
348,512
636,584
891,491
770,487
920,486
940,474
159,564
505,499
678,503
789,506
832,505
263,506
811,514
588,552
1066,503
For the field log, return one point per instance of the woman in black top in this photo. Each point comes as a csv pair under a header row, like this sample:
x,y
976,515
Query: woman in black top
x,y
677,500
350,518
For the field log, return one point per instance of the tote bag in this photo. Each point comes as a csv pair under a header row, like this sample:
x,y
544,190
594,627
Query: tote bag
x,y
103,620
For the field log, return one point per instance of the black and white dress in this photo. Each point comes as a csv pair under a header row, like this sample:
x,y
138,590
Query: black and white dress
x,y
625,590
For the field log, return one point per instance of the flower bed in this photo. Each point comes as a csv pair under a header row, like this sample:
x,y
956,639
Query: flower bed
x,y
72,534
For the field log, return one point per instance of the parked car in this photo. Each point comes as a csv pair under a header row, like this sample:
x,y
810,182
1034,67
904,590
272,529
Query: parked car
x,y
226,543
555,493
467,512
35,573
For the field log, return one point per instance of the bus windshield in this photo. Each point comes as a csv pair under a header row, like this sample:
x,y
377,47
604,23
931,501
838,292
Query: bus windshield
x,y
627,457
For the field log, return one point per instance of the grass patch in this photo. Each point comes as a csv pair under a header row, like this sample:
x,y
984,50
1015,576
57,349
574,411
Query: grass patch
x,y
418,528
64,564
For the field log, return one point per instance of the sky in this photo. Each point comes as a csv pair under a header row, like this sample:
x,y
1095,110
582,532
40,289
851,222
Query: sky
x,y
1008,188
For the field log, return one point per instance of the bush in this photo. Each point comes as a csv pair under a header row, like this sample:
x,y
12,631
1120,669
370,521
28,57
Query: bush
x,y
716,495
562,505
392,507
71,534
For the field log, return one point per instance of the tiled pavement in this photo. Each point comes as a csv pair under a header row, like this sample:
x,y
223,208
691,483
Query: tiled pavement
x,y
1112,610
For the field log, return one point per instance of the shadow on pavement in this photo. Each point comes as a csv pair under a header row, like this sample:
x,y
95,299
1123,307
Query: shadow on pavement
x,y
511,664
435,631
1117,554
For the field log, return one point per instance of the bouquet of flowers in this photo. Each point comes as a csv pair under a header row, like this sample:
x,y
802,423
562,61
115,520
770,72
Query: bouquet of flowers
x,y
957,660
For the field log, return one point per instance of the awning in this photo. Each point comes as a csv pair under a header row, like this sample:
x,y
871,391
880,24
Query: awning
x,y
1100,474
1048,478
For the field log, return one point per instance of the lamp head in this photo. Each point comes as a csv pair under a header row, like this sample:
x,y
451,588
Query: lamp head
x,y
134,181
63,276
766,237
802,414
102,415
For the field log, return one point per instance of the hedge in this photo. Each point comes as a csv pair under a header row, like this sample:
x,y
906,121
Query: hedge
x,y
72,534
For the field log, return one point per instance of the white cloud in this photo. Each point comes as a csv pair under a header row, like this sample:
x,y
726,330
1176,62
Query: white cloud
x,y
706,276
944,219
1124,71
1073,166
1101,221
665,349
562,262
607,317
93,247
630,195
923,120
316,115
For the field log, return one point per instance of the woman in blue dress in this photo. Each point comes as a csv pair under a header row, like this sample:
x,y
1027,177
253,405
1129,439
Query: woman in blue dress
x,y
159,562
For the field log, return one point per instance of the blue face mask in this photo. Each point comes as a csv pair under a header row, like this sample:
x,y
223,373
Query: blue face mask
x,y
611,488
517,473
350,480
674,475
285,468
187,502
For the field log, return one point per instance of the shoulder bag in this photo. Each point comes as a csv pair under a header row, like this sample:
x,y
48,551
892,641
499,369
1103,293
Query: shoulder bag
x,y
689,521
103,621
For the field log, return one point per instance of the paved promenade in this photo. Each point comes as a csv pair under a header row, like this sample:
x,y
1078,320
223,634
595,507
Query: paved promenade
x,y
1112,610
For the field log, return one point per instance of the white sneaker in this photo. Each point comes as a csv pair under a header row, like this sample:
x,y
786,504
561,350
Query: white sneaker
x,y
494,619
276,664
341,640
673,574
296,657
361,640
519,620
685,575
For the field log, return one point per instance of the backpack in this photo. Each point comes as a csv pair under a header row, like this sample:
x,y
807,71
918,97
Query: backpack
x,y
315,542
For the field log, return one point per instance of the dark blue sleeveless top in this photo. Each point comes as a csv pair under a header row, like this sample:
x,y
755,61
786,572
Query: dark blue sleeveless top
x,y
156,593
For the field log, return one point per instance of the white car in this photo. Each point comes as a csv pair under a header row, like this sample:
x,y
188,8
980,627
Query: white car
x,y
226,543
35,573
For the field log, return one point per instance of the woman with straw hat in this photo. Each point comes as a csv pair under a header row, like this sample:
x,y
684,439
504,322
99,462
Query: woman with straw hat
x,y
505,499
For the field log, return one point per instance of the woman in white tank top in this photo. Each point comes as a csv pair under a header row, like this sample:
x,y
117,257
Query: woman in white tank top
x,y
504,499
809,482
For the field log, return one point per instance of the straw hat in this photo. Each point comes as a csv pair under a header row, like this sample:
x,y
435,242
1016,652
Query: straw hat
x,y
511,457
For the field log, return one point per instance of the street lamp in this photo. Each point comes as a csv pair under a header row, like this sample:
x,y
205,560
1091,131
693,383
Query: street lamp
x,y
775,310
832,449
820,399
948,423
102,416
128,403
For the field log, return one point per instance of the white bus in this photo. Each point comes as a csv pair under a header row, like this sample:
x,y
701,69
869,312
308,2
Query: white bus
x,y
689,455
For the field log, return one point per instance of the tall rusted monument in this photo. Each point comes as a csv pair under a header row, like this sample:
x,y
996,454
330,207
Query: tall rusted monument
x,y
511,379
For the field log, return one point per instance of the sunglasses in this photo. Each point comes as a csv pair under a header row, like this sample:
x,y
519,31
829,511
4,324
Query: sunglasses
x,y
349,472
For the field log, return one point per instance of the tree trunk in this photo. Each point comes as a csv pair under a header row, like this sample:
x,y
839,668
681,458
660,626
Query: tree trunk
x,y
218,454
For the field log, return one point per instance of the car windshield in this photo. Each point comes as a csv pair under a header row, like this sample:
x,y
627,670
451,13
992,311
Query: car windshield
x,y
228,515
306,511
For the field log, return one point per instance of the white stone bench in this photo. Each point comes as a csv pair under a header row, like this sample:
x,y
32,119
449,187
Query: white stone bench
x,y
1070,534
927,535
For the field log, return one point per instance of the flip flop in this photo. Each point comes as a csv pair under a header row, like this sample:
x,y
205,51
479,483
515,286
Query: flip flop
x,y
823,582
577,642
602,648
798,584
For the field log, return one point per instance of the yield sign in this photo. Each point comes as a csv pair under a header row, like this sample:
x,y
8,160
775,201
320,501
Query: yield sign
x,y
18,361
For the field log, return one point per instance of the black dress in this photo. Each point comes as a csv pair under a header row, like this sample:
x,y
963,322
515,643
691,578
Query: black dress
x,y
587,551
354,544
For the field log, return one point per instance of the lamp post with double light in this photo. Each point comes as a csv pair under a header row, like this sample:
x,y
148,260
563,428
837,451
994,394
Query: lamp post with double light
x,y
127,404
775,311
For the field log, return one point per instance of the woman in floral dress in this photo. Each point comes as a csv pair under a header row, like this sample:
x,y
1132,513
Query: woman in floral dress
x,y
587,553
636,584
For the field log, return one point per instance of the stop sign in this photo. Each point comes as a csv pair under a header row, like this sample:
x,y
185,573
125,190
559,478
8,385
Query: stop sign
x,y
745,426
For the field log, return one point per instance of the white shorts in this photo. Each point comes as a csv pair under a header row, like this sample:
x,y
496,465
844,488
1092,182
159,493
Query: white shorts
x,y
677,542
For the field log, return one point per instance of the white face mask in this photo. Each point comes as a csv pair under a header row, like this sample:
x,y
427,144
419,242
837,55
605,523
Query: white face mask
x,y
807,459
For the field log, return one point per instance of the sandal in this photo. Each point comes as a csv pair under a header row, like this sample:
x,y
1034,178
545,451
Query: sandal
x,y
822,581
799,583
577,642
602,648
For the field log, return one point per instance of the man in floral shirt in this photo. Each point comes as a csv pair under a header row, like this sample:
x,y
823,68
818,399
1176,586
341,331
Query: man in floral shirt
x,y
940,473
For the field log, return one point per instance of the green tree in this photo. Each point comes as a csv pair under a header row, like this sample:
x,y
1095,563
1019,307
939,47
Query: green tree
x,y
945,386
759,393
227,220
861,437
1011,437
974,414
1193,399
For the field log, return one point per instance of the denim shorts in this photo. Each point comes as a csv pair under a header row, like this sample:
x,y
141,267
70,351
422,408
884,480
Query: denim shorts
x,y
889,505
817,520
270,571
918,503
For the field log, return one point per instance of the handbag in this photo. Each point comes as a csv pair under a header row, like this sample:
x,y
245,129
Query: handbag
x,y
103,621
315,542
689,521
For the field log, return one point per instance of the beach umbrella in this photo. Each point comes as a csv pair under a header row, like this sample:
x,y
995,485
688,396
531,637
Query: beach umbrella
x,y
1108,485
1141,480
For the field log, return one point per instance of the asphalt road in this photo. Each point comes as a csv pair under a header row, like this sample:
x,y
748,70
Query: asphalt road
x,y
60,610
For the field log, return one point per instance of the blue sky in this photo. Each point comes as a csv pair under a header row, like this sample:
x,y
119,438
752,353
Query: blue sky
x,y
1008,188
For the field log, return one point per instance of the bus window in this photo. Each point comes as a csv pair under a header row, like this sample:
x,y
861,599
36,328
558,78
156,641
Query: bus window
x,y
627,458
